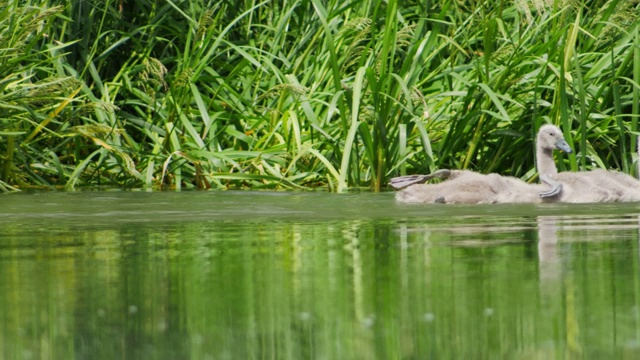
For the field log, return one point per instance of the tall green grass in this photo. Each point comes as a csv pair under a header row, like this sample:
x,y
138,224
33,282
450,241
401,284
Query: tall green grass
x,y
308,93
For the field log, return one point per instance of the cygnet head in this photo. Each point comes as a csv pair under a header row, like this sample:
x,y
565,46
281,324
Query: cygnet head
x,y
550,138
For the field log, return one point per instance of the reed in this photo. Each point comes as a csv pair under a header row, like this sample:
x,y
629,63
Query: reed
x,y
308,94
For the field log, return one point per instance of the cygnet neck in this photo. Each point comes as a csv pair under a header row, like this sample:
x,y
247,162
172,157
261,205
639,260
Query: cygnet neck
x,y
545,163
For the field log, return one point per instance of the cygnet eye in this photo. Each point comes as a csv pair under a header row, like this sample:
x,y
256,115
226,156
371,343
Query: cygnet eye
x,y
552,134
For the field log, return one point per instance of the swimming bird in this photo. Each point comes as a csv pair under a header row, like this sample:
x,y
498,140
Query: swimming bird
x,y
468,187
461,186
582,186
595,186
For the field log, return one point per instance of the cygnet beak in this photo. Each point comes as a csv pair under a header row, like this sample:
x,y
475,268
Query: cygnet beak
x,y
561,144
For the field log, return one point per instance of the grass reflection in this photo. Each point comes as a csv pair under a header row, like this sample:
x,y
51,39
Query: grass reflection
x,y
491,286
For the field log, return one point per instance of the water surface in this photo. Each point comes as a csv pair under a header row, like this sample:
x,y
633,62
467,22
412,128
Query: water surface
x,y
255,275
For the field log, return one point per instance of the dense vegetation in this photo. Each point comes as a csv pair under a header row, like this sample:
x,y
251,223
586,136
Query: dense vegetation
x,y
308,93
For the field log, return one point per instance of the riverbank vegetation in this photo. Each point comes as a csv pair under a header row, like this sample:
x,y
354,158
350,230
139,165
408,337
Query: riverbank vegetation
x,y
298,94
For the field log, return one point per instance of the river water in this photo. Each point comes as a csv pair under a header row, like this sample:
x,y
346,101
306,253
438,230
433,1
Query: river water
x,y
260,275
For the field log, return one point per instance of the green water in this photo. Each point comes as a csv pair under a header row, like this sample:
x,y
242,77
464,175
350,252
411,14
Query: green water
x,y
211,275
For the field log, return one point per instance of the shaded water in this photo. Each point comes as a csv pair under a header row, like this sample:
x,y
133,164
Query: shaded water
x,y
223,275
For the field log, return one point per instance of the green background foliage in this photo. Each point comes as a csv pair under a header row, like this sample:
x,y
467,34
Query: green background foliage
x,y
308,93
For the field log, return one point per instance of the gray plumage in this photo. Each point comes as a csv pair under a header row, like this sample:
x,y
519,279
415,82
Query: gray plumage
x,y
468,187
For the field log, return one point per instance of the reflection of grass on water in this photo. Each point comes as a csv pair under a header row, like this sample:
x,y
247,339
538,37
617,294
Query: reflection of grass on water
x,y
404,288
